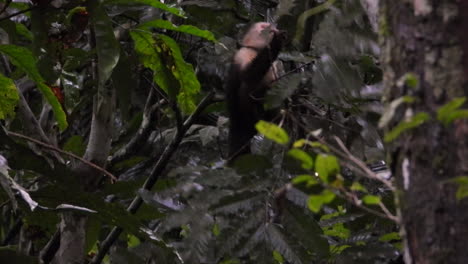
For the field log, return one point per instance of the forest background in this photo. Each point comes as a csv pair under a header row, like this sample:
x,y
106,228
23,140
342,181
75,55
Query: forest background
x,y
113,134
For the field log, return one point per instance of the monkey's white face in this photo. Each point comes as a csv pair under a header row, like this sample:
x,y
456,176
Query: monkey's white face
x,y
259,35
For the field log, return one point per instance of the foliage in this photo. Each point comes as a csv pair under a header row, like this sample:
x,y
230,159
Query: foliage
x,y
9,97
451,112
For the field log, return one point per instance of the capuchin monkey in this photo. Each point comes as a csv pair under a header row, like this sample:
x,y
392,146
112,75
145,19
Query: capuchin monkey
x,y
252,73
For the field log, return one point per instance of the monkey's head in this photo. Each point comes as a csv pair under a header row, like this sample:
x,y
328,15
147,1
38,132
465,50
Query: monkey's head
x,y
259,35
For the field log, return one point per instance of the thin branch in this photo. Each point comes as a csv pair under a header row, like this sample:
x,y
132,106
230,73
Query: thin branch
x,y
7,4
17,13
356,202
388,213
92,165
292,71
362,165
154,176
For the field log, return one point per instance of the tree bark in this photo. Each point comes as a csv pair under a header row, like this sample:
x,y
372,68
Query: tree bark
x,y
428,40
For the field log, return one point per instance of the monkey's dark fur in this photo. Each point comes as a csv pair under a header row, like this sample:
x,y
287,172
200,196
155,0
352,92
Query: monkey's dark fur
x,y
251,74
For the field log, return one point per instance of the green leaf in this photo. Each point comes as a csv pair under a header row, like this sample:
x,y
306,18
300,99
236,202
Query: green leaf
x,y
389,237
462,190
107,46
175,76
133,241
403,126
356,186
146,48
371,199
8,97
337,249
303,142
153,3
326,166
183,73
23,59
315,202
308,179
278,257
304,157
411,80
272,132
451,112
189,29
337,230
216,230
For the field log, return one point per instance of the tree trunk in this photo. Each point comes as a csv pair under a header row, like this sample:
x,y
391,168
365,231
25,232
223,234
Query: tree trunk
x,y
425,55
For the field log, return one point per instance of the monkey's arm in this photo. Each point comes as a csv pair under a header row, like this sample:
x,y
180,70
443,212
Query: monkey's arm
x,y
232,88
260,65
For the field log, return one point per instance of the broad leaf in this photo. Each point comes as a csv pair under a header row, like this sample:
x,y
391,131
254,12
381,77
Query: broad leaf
x,y
326,166
24,59
272,132
175,76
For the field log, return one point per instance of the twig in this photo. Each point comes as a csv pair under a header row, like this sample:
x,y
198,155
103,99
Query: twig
x,y
362,165
355,201
7,4
292,71
110,175
17,13
388,213
153,177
